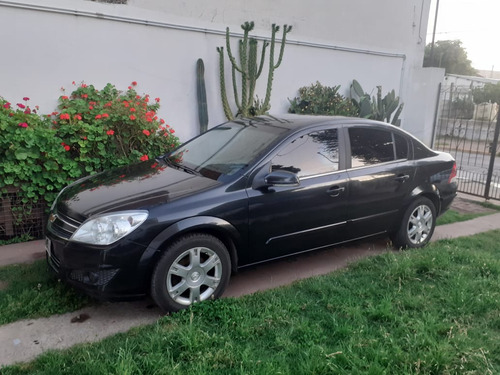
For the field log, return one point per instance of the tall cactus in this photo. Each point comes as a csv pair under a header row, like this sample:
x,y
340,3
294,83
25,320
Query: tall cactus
x,y
201,95
246,103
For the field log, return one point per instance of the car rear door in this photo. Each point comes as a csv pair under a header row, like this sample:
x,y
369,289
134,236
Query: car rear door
x,y
289,219
380,178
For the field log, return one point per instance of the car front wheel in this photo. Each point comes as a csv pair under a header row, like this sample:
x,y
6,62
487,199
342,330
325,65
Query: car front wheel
x,y
417,226
195,268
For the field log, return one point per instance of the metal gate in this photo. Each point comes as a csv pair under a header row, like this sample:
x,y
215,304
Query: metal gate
x,y
470,132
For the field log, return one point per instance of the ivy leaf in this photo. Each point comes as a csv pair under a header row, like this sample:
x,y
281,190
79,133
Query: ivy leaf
x,y
21,153
51,165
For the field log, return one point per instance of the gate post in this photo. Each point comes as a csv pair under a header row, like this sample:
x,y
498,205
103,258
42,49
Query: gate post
x,y
492,158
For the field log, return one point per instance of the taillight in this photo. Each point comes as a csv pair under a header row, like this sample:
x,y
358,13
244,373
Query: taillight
x,y
453,173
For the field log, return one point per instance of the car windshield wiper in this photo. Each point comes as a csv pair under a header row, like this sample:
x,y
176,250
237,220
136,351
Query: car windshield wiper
x,y
180,166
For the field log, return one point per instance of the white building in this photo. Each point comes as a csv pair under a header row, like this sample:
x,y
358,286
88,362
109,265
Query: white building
x,y
47,44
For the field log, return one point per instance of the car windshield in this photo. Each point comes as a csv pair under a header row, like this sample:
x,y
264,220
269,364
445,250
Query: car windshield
x,y
225,149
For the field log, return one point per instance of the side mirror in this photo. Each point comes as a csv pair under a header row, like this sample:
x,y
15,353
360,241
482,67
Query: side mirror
x,y
275,178
281,178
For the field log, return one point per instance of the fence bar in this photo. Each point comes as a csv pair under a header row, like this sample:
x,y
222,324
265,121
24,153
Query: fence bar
x,y
492,158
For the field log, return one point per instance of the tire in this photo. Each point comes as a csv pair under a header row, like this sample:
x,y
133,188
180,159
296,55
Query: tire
x,y
417,226
194,268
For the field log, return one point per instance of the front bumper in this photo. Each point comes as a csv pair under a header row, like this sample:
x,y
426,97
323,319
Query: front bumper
x,y
107,273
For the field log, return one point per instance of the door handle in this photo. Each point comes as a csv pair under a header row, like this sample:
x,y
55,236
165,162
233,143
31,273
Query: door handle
x,y
335,191
402,178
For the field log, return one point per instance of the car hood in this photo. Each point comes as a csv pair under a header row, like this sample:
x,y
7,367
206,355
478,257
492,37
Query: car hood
x,y
132,187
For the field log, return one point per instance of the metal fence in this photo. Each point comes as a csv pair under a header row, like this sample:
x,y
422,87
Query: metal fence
x,y
21,220
470,133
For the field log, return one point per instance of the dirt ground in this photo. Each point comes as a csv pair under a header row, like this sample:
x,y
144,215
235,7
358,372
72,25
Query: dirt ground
x,y
471,205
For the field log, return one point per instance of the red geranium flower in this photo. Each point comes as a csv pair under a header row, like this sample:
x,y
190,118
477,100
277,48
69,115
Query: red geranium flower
x,y
134,83
132,117
64,116
157,100
67,148
132,109
78,117
23,125
172,131
146,132
26,98
110,132
97,117
22,106
64,97
144,158
105,115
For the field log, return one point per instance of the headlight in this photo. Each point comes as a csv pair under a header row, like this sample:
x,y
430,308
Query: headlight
x,y
107,229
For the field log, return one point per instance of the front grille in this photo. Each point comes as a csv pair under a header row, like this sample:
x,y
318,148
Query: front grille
x,y
98,278
62,226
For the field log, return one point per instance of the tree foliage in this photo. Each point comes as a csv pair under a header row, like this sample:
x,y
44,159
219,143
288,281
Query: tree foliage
x,y
449,54
489,93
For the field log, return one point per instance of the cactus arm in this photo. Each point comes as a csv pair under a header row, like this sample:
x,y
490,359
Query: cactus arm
x,y
201,95
286,30
262,57
225,104
396,115
243,45
270,76
230,54
235,89
252,71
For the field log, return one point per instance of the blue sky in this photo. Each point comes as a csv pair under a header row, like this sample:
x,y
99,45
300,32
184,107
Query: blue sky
x,y
476,23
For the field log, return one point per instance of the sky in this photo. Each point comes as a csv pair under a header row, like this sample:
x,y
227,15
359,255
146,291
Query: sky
x,y
476,23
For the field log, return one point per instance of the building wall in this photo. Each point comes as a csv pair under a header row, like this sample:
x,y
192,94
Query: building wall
x,y
51,43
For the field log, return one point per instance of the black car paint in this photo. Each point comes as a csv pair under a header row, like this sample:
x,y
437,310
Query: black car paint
x,y
256,222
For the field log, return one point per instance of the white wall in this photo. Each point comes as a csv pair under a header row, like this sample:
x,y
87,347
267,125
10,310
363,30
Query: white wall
x,y
47,44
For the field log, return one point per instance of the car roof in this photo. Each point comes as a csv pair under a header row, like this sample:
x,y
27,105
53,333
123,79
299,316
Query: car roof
x,y
296,122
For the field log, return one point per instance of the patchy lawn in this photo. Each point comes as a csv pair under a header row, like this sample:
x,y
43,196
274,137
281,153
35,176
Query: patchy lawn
x,y
430,311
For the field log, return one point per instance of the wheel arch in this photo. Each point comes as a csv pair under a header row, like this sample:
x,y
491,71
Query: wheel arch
x,y
430,192
214,226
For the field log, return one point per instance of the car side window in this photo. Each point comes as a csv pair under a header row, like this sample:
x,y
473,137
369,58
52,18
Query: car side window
x,y
401,147
311,154
370,146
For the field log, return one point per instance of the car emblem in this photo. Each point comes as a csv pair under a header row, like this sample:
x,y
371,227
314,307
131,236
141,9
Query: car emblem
x,y
52,218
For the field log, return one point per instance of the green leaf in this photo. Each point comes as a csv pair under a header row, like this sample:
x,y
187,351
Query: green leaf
x,y
21,153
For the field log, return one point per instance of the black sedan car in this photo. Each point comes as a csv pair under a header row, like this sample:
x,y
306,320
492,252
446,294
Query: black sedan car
x,y
245,192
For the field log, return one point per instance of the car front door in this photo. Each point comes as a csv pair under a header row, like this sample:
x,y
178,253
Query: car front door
x,y
311,214
380,176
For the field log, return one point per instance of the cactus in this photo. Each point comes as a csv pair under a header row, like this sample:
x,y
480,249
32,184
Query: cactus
x,y
247,104
201,95
377,108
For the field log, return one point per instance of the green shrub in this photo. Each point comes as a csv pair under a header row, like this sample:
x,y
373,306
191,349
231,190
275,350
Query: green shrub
x,y
93,130
33,161
317,99
102,129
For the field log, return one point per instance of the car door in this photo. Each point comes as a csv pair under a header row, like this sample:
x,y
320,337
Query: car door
x,y
380,177
312,214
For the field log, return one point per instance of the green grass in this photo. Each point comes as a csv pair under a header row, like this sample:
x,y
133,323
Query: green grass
x,y
429,311
31,292
452,216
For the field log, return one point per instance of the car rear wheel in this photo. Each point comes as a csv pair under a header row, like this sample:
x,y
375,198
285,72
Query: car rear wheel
x,y
417,226
195,268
